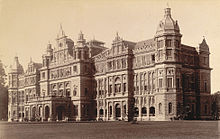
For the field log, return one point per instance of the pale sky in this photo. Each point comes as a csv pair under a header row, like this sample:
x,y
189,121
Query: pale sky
x,y
26,26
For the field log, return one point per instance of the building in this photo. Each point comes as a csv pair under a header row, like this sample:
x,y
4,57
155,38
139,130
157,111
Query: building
x,y
216,105
155,79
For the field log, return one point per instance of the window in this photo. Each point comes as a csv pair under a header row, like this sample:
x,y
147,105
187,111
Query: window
x,y
205,86
101,112
169,82
160,54
160,43
110,112
144,111
75,68
168,43
79,55
76,110
145,87
74,92
177,83
136,112
160,108
110,88
152,111
160,83
124,109
125,87
43,75
153,58
168,53
170,107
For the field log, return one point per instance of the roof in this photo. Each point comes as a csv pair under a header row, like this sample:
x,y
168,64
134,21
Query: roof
x,y
146,43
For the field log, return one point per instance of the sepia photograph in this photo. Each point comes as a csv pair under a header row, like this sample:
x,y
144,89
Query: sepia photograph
x,y
109,69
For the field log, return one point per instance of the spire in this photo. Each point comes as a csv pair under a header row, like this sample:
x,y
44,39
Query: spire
x,y
16,67
117,36
61,32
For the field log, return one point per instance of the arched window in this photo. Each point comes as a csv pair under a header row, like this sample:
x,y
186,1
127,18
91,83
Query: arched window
x,y
117,85
143,111
110,110
136,112
160,108
170,107
101,112
152,111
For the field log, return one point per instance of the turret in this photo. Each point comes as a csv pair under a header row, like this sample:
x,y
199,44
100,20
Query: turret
x,y
47,57
203,51
168,39
15,70
81,48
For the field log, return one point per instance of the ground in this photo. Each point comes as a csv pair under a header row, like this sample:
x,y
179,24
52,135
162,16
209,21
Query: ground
x,y
111,130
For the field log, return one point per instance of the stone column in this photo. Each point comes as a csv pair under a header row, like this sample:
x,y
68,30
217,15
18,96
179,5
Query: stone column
x,y
107,110
148,108
29,112
113,110
139,107
98,116
121,110
140,74
113,85
51,116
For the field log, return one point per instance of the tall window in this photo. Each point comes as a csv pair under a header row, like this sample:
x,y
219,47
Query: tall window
x,y
206,109
160,108
110,88
110,111
125,87
168,43
177,83
170,107
169,82
160,83
205,86
76,110
153,58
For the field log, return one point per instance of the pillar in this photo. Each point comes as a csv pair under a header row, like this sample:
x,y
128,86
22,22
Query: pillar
x,y
113,110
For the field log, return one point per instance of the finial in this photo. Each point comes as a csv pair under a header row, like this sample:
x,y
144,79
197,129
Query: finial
x,y
30,59
168,5
117,34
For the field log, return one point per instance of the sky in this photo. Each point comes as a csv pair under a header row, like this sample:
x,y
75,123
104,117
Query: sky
x,y
27,26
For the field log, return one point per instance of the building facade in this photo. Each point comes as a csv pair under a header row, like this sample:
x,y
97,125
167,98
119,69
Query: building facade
x,y
155,79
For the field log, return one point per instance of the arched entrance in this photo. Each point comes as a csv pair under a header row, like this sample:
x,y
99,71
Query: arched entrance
x,y
33,118
60,110
118,110
47,112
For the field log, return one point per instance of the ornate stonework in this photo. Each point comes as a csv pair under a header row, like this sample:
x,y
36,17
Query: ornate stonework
x,y
154,79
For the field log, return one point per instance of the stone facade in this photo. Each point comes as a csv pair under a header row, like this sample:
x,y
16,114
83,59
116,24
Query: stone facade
x,y
154,79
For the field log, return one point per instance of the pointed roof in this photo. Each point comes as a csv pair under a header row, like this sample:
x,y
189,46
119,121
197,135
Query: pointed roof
x,y
16,66
203,46
167,24
61,32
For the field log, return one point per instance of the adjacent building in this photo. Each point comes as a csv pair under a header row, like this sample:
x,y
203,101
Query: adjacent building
x,y
154,79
